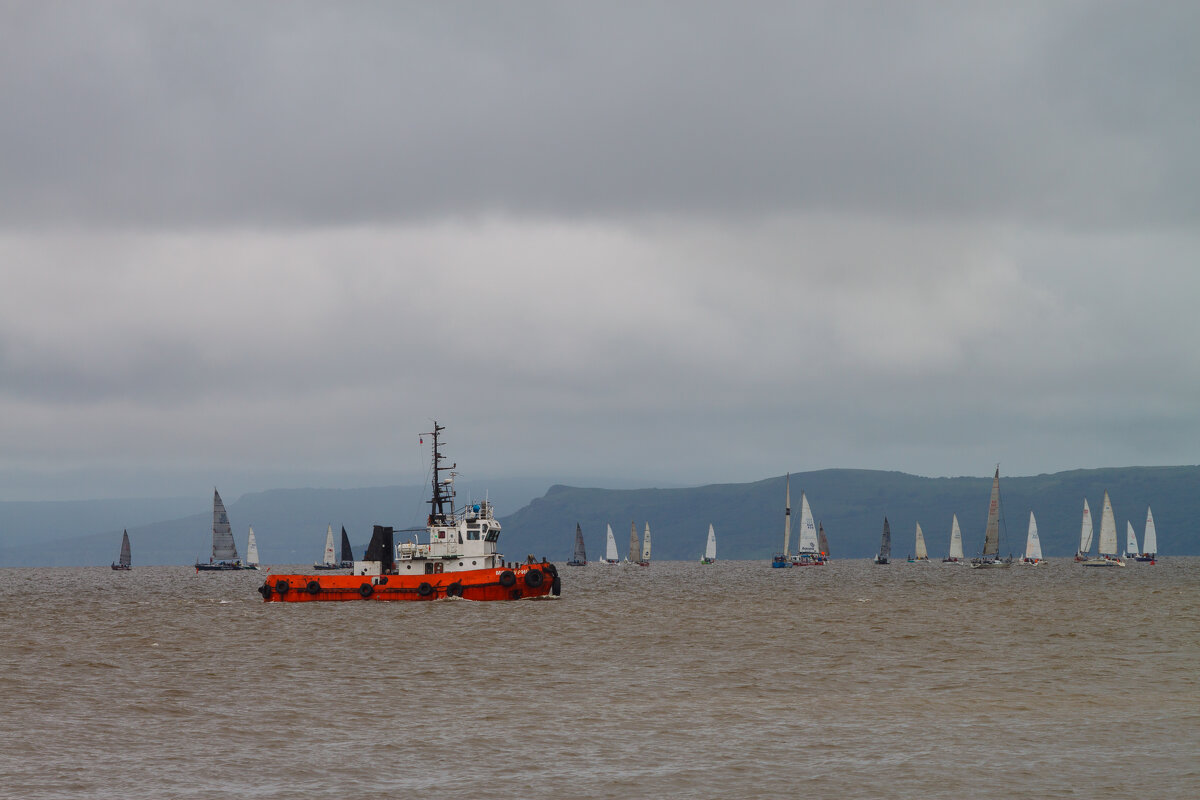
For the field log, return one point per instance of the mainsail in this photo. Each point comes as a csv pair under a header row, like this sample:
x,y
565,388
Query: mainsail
x,y
633,542
1131,548
223,547
808,529
922,553
125,560
251,549
1085,533
646,544
885,543
347,551
787,516
956,550
710,548
329,558
1150,538
580,556
610,546
822,540
991,537
1108,529
1033,545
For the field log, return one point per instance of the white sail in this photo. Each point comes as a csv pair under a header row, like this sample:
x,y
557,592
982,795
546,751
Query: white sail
x,y
787,516
610,546
1150,537
710,548
646,544
1085,533
1033,545
921,551
330,557
1108,529
1131,548
955,540
633,542
808,529
223,547
251,549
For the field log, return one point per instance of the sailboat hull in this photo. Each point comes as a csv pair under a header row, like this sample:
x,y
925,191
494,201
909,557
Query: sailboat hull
x,y
1102,562
224,566
521,582
330,566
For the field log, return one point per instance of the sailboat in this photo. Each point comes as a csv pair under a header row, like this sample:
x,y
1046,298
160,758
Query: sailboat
x,y
956,553
579,558
990,558
1108,540
631,556
922,555
329,559
823,542
251,550
1085,534
644,561
1149,540
1131,548
347,551
885,544
610,549
1033,545
710,547
224,550
123,562
781,560
808,552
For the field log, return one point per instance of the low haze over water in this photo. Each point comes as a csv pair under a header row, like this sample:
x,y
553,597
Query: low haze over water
x,y
736,680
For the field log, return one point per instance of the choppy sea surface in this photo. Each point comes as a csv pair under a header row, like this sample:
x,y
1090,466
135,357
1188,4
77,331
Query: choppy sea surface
x,y
677,680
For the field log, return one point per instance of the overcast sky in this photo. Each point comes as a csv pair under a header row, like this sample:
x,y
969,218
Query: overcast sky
x,y
262,244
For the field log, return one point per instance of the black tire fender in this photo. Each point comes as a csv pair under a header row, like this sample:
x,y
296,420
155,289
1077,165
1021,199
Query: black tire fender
x,y
366,590
507,578
265,591
535,578
454,590
425,589
314,587
556,586
282,586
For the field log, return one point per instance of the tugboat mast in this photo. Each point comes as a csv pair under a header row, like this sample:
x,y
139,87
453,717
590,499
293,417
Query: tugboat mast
x,y
441,495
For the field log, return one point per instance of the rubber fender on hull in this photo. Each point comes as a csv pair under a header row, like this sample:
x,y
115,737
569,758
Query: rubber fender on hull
x,y
366,590
314,587
265,590
454,590
507,578
425,589
550,569
556,586
282,586
534,578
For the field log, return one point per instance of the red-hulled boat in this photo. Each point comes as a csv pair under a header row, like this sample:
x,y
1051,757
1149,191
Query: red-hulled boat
x,y
460,560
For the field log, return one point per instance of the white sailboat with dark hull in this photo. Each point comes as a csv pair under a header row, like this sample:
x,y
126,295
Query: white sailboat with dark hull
x,y
579,557
1131,545
1149,541
224,550
251,550
990,557
644,561
783,560
922,554
1086,533
956,551
1108,540
1033,545
329,559
885,544
710,547
808,548
124,561
610,549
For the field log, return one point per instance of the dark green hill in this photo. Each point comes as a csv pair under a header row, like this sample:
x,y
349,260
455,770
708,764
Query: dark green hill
x,y
748,517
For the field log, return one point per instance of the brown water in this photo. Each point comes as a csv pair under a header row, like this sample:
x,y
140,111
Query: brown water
x,y
845,681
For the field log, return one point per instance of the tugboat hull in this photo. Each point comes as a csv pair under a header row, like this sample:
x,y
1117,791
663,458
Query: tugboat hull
x,y
518,583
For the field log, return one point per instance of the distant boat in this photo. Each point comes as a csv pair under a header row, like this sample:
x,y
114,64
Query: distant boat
x,y
922,555
632,556
610,549
1149,540
1033,545
347,551
885,544
1131,547
579,559
956,553
823,541
1108,539
710,547
990,558
1085,534
644,561
329,560
224,550
808,553
123,562
781,560
251,550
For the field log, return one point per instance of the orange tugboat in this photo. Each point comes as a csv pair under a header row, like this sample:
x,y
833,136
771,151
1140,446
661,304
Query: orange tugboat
x,y
460,560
